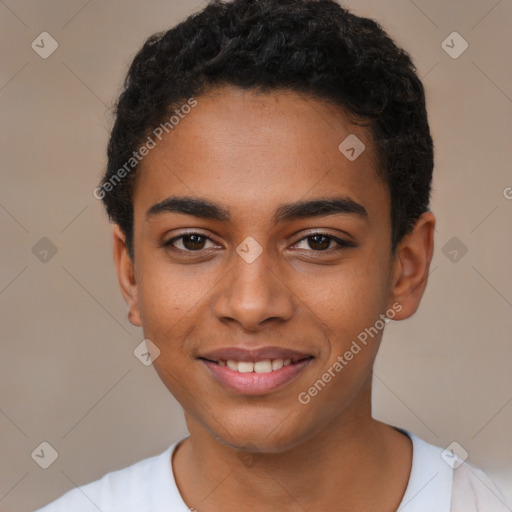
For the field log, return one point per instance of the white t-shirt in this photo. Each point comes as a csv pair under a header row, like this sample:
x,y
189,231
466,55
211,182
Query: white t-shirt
x,y
435,485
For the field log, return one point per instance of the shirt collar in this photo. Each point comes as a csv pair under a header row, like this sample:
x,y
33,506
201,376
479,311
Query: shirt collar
x,y
430,481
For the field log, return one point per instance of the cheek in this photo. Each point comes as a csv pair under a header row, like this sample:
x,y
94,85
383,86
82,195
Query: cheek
x,y
169,294
350,297
350,304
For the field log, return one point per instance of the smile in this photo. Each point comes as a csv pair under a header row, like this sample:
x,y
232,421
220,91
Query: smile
x,y
255,377
263,366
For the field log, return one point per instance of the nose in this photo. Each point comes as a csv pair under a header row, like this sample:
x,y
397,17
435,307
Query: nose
x,y
252,294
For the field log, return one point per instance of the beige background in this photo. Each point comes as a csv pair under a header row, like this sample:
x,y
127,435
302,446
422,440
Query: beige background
x,y
68,375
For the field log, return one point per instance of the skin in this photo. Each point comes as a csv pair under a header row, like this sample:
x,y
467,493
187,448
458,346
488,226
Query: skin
x,y
251,153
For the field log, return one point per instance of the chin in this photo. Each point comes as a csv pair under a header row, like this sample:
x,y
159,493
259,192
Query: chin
x,y
249,434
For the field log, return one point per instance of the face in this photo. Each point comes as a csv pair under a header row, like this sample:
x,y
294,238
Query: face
x,y
283,245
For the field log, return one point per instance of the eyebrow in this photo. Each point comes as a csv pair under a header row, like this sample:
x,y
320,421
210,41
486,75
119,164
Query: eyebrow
x,y
206,209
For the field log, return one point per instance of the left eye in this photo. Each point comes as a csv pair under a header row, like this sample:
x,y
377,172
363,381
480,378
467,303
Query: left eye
x,y
322,242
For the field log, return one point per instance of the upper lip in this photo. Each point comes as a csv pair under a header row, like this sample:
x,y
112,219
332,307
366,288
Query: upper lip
x,y
258,354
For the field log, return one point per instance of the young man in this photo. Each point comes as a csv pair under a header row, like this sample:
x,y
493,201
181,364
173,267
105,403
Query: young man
x,y
269,178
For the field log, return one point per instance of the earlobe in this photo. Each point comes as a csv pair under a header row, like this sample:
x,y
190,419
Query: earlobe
x,y
126,276
411,266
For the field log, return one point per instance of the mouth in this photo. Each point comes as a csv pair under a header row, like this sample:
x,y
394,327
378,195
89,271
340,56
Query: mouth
x,y
256,372
260,366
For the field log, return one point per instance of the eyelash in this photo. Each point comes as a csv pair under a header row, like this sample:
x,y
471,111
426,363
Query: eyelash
x,y
342,244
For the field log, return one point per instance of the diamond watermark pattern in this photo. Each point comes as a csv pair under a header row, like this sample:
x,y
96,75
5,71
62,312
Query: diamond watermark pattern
x,y
45,455
44,45
146,352
44,250
352,147
454,45
249,249
454,249
454,455
249,459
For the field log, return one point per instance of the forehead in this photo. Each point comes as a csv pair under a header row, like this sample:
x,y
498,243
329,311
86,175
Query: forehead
x,y
251,151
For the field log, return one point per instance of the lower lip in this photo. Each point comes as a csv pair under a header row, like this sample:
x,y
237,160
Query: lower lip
x,y
255,383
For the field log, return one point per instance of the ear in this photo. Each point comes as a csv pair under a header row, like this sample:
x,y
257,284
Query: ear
x,y
411,265
126,276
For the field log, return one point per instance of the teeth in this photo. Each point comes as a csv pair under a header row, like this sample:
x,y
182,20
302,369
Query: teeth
x,y
277,363
264,366
245,366
232,365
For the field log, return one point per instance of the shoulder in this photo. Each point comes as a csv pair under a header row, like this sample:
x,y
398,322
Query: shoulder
x,y
129,488
442,481
473,490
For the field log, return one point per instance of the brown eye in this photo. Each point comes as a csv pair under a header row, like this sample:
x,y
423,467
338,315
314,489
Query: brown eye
x,y
190,242
194,242
319,242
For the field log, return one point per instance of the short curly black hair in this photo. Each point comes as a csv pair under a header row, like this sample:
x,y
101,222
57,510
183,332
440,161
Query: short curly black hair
x,y
315,47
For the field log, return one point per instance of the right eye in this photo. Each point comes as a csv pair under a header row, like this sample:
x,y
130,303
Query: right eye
x,y
191,242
